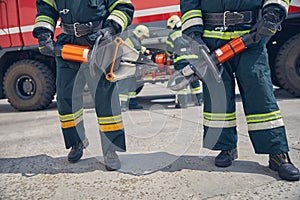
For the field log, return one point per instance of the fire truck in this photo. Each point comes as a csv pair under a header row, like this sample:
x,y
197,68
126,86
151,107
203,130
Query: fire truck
x,y
27,78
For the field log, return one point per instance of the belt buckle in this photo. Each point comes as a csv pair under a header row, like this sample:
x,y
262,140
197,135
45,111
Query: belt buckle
x,y
224,19
75,29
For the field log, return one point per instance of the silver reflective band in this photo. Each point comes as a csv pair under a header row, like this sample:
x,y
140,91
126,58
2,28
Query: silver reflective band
x,y
265,125
45,25
187,70
192,22
118,20
219,124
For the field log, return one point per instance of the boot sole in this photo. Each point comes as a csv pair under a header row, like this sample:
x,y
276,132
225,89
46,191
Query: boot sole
x,y
74,160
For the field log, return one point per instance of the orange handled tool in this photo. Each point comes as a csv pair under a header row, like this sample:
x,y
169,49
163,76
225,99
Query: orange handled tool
x,y
75,53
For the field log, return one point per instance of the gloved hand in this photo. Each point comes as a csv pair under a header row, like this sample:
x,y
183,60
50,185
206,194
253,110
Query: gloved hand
x,y
46,44
268,25
197,36
105,34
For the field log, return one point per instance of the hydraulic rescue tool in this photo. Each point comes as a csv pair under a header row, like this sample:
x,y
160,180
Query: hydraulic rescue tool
x,y
212,61
116,59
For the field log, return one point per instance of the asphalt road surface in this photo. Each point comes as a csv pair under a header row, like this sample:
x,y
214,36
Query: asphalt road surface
x,y
164,158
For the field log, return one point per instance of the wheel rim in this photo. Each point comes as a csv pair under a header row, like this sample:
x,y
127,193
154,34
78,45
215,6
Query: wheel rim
x,y
25,87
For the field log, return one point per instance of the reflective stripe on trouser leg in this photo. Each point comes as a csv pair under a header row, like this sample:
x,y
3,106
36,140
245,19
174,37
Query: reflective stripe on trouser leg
x,y
109,116
69,86
219,112
265,125
196,91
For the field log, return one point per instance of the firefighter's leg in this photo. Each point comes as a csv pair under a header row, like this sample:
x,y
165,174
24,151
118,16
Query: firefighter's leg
x,y
264,119
110,122
181,98
123,86
220,117
265,124
69,103
196,92
133,103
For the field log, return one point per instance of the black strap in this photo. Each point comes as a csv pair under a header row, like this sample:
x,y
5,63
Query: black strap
x,y
79,29
229,18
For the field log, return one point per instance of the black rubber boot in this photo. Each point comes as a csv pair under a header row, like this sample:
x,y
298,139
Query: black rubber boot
x,y
286,170
111,161
77,151
225,158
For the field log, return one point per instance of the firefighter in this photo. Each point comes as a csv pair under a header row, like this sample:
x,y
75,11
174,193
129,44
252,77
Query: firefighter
x,y
177,47
127,86
212,24
82,22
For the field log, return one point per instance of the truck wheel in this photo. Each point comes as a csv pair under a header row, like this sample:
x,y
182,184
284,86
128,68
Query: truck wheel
x,y
29,85
288,65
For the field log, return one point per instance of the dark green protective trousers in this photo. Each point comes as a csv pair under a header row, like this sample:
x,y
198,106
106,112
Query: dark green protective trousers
x,y
72,77
252,73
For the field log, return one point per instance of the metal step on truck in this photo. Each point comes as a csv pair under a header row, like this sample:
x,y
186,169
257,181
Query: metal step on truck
x,y
27,78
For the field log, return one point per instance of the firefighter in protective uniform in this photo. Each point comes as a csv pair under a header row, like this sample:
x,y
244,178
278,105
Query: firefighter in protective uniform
x,y
214,23
128,86
178,48
82,22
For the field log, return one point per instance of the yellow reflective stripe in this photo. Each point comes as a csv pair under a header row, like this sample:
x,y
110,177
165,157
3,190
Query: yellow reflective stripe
x,y
196,90
191,14
111,127
51,3
170,43
219,116
264,114
110,120
224,35
185,57
44,18
132,94
255,118
129,42
266,125
219,124
123,96
118,2
71,116
175,35
122,16
72,123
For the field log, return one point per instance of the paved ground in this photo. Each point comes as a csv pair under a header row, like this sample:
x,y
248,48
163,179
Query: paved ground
x,y
164,160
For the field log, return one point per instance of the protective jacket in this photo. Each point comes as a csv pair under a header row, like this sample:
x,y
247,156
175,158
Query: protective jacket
x,y
218,22
89,16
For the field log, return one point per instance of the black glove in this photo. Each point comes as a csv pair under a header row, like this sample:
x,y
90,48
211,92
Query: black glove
x,y
268,25
197,36
105,34
46,44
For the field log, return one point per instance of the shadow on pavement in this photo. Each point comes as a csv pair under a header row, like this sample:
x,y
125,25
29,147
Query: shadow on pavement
x,y
133,164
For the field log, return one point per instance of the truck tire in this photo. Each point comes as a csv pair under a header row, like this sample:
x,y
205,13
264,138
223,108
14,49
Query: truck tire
x,y
288,65
29,85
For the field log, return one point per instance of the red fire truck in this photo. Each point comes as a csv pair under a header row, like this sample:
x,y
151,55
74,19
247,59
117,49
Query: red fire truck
x,y
27,78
